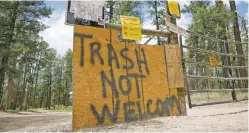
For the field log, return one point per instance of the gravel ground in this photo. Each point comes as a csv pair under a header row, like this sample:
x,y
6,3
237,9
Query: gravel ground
x,y
229,117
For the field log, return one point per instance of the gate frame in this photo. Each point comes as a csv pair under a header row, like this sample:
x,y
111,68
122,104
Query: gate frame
x,y
230,79
167,33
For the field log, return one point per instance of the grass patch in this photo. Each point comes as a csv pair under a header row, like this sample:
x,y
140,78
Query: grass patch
x,y
11,111
34,110
62,108
204,97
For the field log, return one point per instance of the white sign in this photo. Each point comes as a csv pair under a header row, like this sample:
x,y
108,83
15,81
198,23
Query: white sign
x,y
88,10
177,29
85,10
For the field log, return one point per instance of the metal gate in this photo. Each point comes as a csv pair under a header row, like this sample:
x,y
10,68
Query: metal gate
x,y
227,77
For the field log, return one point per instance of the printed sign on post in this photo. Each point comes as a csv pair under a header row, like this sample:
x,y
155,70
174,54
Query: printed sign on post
x,y
173,8
212,61
131,28
177,29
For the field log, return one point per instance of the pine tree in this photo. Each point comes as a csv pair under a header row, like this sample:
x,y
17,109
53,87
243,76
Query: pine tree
x,y
157,13
20,21
239,48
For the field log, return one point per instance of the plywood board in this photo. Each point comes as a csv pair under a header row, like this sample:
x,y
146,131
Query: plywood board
x,y
174,66
118,82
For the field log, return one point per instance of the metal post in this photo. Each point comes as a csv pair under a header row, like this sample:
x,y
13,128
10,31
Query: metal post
x,y
230,82
184,72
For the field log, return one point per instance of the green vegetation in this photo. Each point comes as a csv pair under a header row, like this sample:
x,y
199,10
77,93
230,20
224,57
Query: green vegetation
x,y
62,108
217,21
215,96
31,74
34,110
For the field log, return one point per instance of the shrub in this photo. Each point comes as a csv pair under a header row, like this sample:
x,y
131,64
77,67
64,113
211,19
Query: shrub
x,y
62,108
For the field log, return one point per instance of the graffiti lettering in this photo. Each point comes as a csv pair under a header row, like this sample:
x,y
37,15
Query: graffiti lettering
x,y
112,83
122,53
129,99
121,82
161,109
140,61
129,113
128,83
112,56
95,48
82,37
141,116
106,111
96,52
149,102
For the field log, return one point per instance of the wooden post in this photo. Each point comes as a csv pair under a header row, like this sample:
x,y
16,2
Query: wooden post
x,y
173,40
208,73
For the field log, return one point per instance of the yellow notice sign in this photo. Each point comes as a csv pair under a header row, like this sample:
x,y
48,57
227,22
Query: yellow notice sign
x,y
174,8
212,61
131,28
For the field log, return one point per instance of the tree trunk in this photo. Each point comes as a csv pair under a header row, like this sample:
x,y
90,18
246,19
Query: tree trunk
x,y
225,49
23,93
226,61
44,97
42,103
157,22
207,71
239,49
243,24
60,89
17,90
196,59
111,12
5,58
9,94
31,93
31,86
66,95
50,90
59,96
36,80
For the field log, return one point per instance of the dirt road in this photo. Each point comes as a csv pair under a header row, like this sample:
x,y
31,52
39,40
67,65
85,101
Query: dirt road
x,y
49,121
230,117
